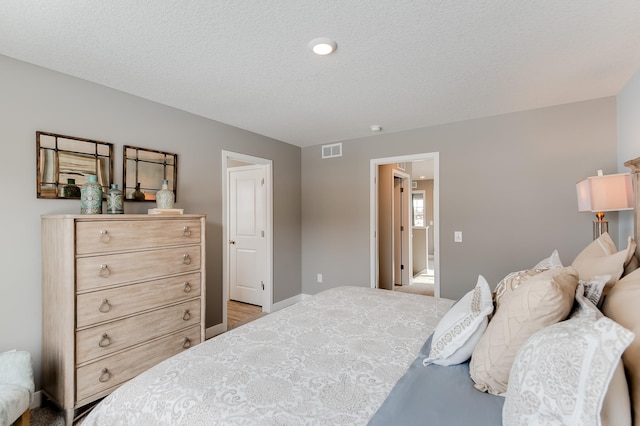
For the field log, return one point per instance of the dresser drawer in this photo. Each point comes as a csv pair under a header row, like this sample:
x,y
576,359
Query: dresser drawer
x,y
99,271
108,338
111,236
105,305
112,371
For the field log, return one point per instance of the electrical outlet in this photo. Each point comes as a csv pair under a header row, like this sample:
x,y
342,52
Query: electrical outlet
x,y
457,236
319,278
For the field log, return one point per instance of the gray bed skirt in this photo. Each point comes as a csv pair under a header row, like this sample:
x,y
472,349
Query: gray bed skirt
x,y
436,395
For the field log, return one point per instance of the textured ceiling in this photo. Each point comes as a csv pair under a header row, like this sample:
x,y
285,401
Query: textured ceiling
x,y
401,64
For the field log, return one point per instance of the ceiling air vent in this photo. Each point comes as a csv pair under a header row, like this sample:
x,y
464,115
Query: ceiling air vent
x,y
333,150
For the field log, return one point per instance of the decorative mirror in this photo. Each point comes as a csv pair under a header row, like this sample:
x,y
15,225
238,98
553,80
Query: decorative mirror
x,y
144,170
64,162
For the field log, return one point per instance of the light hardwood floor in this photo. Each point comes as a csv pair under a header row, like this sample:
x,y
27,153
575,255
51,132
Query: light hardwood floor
x,y
241,313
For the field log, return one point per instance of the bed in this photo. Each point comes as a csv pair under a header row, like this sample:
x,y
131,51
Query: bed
x,y
347,356
553,344
331,359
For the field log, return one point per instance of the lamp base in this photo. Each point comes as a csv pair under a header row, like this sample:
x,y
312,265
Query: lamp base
x,y
599,228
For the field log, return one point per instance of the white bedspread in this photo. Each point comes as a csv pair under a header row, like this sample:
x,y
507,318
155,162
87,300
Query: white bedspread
x,y
331,359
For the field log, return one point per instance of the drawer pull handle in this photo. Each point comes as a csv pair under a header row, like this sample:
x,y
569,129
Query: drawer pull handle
x,y
187,315
104,236
186,259
186,343
186,232
187,287
104,270
104,376
104,306
104,341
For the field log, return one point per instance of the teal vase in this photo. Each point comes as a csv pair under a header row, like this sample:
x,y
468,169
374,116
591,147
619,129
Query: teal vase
x,y
115,200
91,196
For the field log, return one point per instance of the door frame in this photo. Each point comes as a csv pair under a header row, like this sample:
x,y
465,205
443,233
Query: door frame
x,y
373,213
227,157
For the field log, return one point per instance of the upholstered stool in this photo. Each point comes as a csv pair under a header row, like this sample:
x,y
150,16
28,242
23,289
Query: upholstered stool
x,y
16,387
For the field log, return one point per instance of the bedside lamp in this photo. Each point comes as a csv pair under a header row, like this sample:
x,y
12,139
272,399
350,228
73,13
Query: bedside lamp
x,y
604,193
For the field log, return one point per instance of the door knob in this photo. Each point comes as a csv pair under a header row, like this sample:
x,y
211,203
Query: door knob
x,y
231,242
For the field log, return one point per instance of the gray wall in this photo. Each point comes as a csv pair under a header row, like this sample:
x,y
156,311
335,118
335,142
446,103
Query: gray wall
x,y
34,99
507,182
628,101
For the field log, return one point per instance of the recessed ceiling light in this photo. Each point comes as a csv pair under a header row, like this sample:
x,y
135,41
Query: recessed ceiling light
x,y
323,46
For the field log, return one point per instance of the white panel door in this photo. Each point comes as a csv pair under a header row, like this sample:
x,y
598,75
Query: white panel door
x,y
247,254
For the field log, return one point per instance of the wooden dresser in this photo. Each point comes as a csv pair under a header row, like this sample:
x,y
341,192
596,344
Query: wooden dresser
x,y
120,293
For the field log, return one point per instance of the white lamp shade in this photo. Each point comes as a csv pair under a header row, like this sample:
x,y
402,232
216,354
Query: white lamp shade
x,y
605,193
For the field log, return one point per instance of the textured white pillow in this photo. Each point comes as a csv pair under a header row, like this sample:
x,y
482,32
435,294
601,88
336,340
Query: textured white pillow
x,y
459,331
551,262
562,373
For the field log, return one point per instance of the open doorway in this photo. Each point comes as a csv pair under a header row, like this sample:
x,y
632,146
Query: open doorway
x,y
419,258
394,240
422,230
247,229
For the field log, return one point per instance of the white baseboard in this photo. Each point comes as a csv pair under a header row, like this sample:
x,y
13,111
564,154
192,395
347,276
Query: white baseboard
x,y
287,302
36,402
214,330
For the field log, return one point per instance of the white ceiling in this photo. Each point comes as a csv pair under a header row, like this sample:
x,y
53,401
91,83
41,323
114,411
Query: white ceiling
x,y
422,170
401,64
